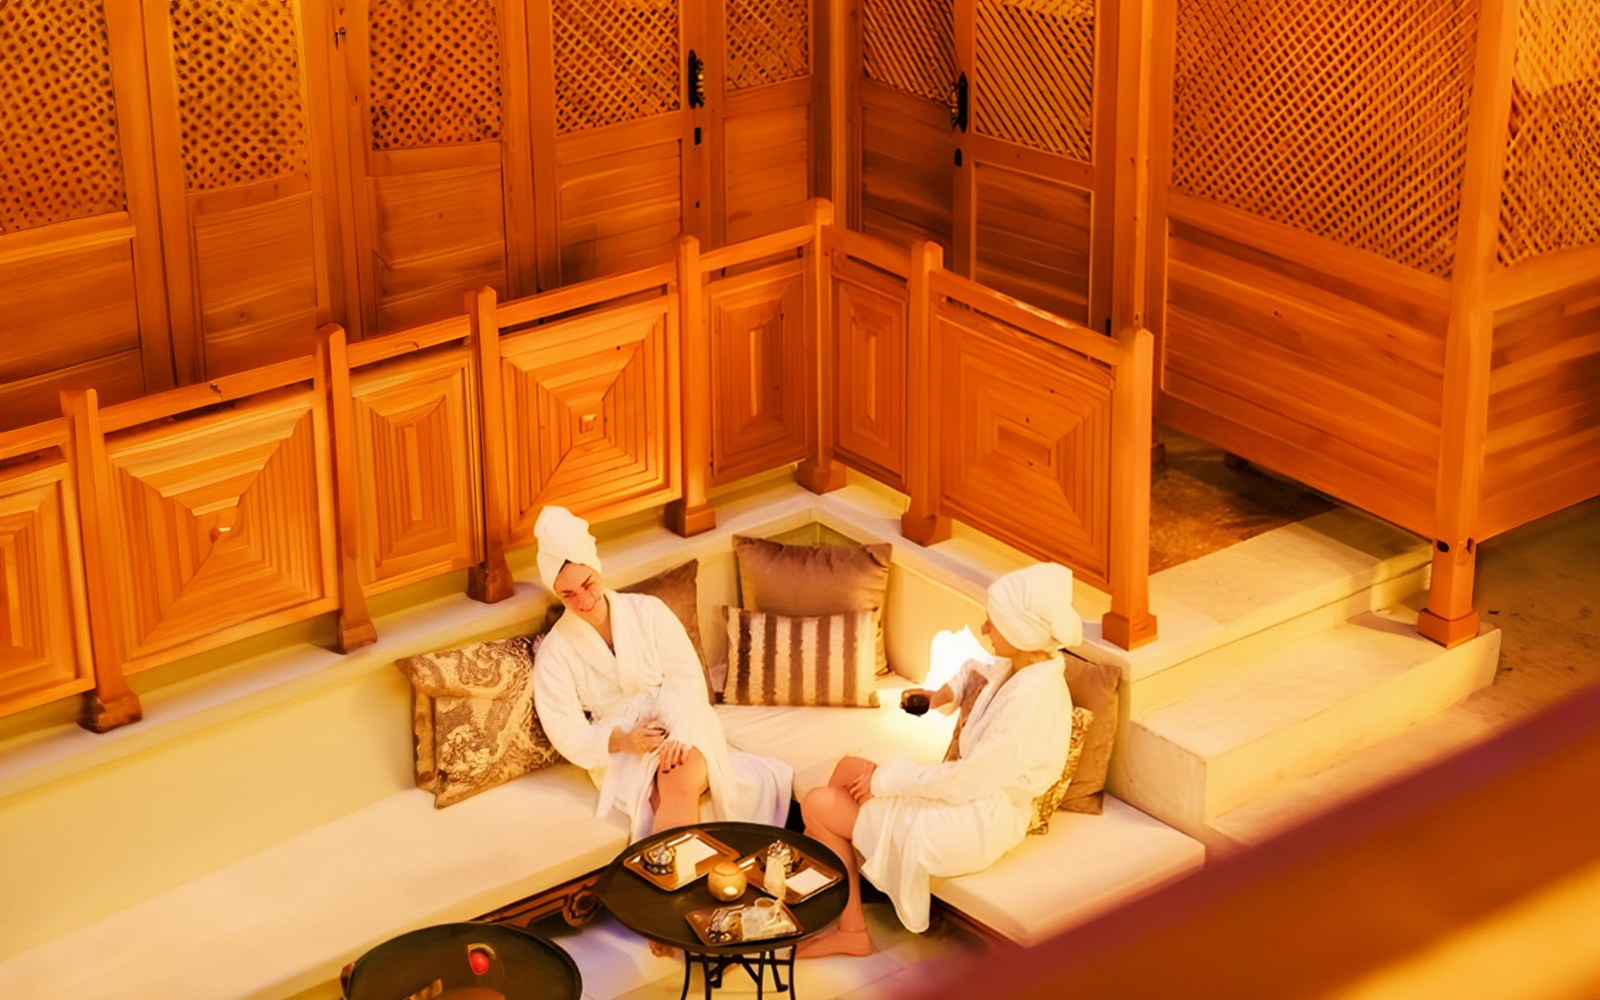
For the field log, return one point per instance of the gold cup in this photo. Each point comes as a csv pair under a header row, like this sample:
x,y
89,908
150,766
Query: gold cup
x,y
726,881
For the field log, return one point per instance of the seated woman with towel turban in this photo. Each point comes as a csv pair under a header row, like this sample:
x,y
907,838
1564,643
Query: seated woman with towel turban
x,y
620,692
911,822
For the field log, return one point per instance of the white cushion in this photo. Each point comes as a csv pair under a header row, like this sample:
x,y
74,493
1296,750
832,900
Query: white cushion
x,y
290,917
1084,866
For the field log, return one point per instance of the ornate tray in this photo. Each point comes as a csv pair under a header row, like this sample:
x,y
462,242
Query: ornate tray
x,y
785,925
710,848
807,869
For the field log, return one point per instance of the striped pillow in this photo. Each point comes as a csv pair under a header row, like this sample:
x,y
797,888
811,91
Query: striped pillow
x,y
783,660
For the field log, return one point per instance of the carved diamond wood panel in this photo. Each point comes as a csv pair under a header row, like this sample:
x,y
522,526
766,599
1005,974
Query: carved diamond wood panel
x,y
220,524
870,332
415,447
760,394
592,417
1025,432
44,652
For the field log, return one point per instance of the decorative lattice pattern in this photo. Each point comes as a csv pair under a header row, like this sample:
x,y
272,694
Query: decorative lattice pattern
x,y
769,41
616,61
435,73
1035,78
240,103
1347,120
1551,198
59,155
910,45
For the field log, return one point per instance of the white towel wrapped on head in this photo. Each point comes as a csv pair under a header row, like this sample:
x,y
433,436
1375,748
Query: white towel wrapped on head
x,y
563,537
1032,607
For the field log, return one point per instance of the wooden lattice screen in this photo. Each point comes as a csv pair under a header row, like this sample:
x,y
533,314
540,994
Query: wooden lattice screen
x,y
1551,198
768,41
435,73
1346,120
615,61
909,45
59,154
1035,74
240,103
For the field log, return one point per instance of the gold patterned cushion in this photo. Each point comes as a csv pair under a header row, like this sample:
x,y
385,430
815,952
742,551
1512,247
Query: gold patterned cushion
x,y
473,719
784,660
809,580
1051,800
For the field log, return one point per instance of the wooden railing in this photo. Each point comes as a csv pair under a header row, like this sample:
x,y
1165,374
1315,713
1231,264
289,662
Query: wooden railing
x,y
139,533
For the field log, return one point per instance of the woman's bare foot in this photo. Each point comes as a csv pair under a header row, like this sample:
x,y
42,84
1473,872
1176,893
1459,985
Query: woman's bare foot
x,y
660,950
837,942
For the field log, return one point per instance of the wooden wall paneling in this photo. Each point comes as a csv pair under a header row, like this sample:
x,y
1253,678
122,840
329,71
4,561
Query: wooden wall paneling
x,y
1449,618
44,618
760,411
438,146
77,209
591,411
222,520
490,581
245,176
354,625
692,513
869,327
925,521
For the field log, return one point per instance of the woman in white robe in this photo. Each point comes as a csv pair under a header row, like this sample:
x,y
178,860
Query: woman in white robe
x,y
620,693
910,822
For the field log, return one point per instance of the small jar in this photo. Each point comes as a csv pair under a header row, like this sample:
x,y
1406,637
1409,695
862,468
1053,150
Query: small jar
x,y
660,859
726,881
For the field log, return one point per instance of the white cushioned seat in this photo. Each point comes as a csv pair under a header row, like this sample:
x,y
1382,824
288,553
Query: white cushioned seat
x,y
288,918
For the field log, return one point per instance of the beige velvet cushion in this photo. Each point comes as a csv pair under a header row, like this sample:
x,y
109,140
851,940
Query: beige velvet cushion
x,y
1052,797
810,580
679,589
473,717
785,660
1094,687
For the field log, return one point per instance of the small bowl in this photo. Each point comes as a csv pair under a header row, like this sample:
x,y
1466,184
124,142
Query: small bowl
x,y
659,859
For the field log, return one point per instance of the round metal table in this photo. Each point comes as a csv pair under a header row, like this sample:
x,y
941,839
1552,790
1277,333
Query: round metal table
x,y
516,965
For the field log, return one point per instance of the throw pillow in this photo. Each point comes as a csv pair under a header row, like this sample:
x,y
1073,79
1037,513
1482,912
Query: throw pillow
x,y
1093,686
679,589
783,660
809,580
474,718
1048,802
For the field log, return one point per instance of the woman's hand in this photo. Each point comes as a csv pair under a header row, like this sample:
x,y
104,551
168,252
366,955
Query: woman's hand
x,y
643,738
860,788
673,753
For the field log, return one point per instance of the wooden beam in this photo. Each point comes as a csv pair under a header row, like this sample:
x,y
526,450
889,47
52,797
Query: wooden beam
x,y
922,522
355,626
490,581
819,473
692,513
1129,623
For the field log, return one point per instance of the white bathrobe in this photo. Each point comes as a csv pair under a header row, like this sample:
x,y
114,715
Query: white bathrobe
x,y
961,816
583,692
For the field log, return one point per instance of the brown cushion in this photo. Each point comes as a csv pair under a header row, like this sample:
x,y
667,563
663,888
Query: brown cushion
x,y
811,580
786,660
679,589
1093,686
473,718
1050,800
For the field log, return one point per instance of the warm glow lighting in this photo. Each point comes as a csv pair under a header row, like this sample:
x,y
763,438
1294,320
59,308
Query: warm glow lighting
x,y
948,652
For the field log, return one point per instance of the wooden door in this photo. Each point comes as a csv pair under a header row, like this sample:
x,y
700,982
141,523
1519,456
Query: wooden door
x,y
82,300
619,173
439,162
245,168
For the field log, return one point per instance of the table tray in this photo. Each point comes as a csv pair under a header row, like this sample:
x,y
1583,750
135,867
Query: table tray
x,y
669,882
755,873
700,920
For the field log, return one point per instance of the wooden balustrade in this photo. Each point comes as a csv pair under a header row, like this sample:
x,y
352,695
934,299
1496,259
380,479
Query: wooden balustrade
x,y
142,532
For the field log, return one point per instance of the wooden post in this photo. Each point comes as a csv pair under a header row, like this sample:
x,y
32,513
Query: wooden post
x,y
922,522
490,581
355,626
1450,618
112,703
819,473
1129,623
693,513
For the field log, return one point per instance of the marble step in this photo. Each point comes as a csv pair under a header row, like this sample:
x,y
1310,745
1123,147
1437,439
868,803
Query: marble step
x,y
1291,710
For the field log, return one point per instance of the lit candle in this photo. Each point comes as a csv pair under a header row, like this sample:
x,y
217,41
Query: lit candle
x,y
726,881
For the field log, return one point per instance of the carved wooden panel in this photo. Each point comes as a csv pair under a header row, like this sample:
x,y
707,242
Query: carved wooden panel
x,y
870,343
909,46
416,447
618,210
256,278
616,61
766,170
907,183
1033,239
1034,79
435,73
221,520
768,41
1025,441
44,645
591,408
760,392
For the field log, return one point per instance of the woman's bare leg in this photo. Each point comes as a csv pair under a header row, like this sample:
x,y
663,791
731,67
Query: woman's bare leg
x,y
678,792
830,815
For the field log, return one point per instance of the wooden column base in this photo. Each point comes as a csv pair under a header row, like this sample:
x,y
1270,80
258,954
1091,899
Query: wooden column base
x,y
353,634
102,716
1447,632
685,520
490,582
819,477
925,530
1125,633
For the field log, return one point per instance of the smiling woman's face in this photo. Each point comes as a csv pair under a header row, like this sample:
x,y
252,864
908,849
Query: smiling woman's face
x,y
579,589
